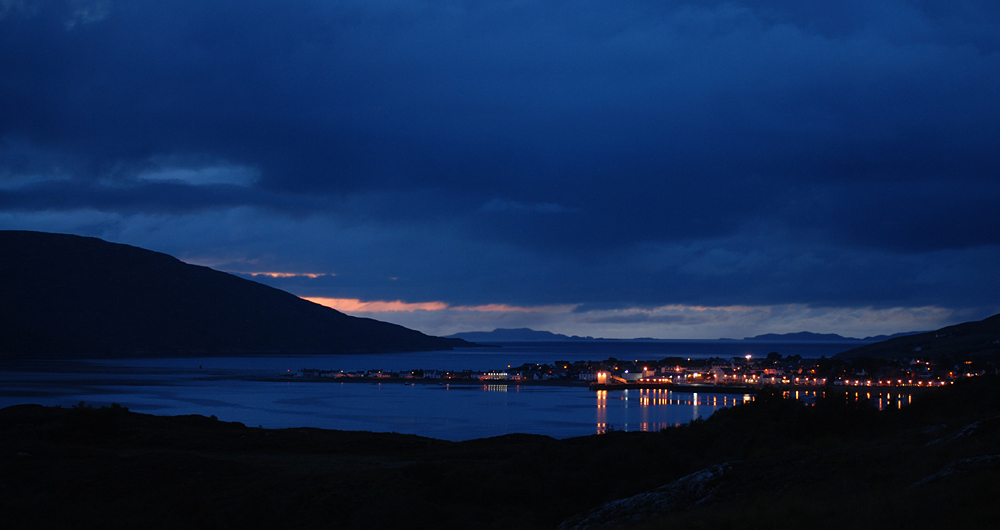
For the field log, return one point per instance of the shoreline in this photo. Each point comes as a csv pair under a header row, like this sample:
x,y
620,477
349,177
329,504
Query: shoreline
x,y
675,387
420,381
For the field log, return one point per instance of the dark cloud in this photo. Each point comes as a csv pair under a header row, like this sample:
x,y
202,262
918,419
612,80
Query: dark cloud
x,y
603,153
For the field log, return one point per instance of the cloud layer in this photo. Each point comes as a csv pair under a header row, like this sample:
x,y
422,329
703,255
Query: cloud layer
x,y
609,156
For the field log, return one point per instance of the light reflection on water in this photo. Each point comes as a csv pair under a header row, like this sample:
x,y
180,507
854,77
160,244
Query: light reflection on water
x,y
446,411
656,409
882,399
215,386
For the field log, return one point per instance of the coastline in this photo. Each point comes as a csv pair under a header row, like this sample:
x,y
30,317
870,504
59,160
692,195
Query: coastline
x,y
420,381
192,470
675,387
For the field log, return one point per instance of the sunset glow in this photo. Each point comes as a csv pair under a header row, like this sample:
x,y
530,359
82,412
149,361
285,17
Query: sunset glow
x,y
669,321
289,274
534,209
352,305
384,306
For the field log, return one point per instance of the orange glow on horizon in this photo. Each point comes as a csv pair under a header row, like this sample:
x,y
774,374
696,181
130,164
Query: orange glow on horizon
x,y
377,306
289,274
382,306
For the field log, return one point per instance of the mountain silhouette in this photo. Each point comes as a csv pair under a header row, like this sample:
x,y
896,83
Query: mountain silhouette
x,y
969,339
71,296
515,335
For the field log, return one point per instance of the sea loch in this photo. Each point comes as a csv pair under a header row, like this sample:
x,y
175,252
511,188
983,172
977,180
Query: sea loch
x,y
232,389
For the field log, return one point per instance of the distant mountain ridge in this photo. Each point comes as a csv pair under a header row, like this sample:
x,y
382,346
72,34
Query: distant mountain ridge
x,y
65,295
530,335
806,336
515,335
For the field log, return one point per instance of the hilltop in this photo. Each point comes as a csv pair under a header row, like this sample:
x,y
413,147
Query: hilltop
x,y
970,339
531,335
65,295
515,335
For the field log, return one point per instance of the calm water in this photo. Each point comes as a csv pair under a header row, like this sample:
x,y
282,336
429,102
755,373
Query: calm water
x,y
212,386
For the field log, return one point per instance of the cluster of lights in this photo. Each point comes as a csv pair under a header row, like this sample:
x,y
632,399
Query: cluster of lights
x,y
752,378
898,382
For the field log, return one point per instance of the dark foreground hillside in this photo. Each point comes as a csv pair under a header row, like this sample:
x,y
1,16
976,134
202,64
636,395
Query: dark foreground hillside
x,y
968,340
771,464
67,295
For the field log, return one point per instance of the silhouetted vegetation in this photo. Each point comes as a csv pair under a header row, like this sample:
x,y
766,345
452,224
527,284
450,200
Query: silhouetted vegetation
x,y
839,463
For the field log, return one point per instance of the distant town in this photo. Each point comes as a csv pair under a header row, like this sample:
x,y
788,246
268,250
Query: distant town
x,y
733,373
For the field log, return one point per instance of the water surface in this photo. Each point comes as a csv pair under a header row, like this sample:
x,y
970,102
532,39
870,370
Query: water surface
x,y
224,387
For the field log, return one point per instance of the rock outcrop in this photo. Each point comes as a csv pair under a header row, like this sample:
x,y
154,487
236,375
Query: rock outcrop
x,y
685,492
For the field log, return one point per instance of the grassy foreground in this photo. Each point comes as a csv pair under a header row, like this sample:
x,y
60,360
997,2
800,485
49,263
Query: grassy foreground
x,y
836,465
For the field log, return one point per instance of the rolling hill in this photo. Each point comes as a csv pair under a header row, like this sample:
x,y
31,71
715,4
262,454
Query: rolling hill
x,y
969,339
65,296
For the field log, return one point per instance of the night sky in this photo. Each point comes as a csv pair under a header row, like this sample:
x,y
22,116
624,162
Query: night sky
x,y
616,168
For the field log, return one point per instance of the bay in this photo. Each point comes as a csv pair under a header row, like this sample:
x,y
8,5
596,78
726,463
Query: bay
x,y
226,388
